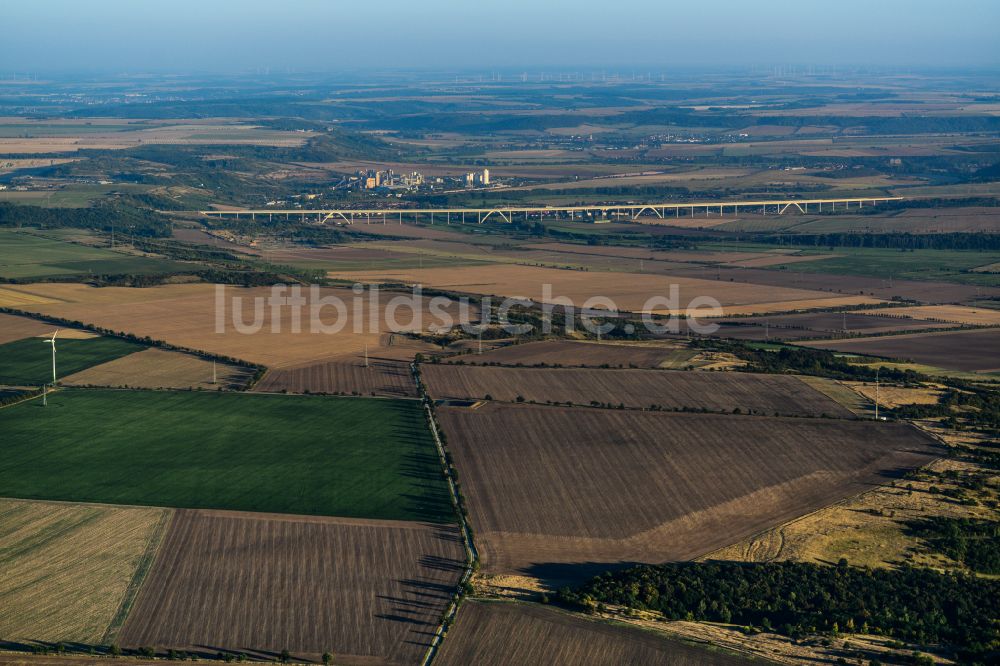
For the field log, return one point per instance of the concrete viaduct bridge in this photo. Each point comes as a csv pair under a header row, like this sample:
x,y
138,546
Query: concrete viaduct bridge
x,y
584,213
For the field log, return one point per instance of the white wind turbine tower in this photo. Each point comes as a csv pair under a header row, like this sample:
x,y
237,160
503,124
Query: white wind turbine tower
x,y
51,341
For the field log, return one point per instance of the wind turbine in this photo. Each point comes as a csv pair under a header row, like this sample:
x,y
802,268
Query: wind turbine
x,y
51,341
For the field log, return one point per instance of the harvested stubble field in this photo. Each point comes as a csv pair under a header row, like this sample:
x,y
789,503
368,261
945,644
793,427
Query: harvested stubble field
x,y
67,571
958,314
14,328
671,389
185,315
28,362
158,368
629,291
386,378
369,592
970,350
498,633
560,493
570,353
362,457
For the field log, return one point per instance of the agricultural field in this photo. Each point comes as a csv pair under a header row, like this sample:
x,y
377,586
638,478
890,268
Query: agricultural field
x,y
496,633
945,265
810,325
185,315
154,368
28,362
352,258
630,292
914,221
883,287
30,137
669,389
650,487
287,454
69,572
14,328
28,256
869,529
736,258
385,378
570,353
369,592
957,314
970,350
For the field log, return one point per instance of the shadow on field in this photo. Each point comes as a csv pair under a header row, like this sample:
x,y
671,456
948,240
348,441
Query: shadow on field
x,y
558,574
431,503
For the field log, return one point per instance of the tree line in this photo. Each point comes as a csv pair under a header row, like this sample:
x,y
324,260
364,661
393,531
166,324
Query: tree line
x,y
798,599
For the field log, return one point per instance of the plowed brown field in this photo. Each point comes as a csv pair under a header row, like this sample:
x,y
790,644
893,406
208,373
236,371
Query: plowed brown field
x,y
501,633
14,328
571,353
670,389
561,492
390,378
369,592
972,351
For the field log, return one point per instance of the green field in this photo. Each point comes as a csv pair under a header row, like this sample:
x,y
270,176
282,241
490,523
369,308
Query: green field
x,y
27,256
28,362
357,457
944,265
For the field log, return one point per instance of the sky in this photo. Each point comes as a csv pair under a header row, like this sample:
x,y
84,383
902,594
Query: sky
x,y
186,36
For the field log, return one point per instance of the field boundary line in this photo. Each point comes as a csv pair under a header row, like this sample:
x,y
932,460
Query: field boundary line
x,y
143,567
30,395
471,554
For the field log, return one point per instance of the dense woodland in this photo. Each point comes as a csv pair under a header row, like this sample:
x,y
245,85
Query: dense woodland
x,y
796,599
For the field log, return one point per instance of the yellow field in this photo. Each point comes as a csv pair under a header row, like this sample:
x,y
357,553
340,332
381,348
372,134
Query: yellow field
x,y
895,396
65,569
157,368
12,297
185,315
960,314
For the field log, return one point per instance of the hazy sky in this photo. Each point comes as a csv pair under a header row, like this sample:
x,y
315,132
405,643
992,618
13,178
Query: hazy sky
x,y
235,35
